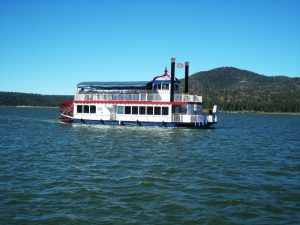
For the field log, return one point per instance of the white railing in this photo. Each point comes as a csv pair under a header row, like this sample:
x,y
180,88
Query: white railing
x,y
137,97
189,118
187,98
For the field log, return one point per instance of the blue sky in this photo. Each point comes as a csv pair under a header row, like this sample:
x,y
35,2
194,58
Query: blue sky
x,y
48,47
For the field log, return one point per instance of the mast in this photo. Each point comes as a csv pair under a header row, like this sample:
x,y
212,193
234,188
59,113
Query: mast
x,y
186,83
172,79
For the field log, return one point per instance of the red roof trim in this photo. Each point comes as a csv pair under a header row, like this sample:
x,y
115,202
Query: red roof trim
x,y
132,102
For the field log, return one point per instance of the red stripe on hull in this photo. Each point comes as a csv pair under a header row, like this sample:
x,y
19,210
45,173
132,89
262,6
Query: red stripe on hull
x,y
131,102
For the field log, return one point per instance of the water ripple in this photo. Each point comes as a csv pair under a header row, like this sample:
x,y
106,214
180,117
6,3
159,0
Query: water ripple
x,y
247,171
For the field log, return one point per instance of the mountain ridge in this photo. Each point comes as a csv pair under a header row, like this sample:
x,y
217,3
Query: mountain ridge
x,y
242,90
29,99
230,88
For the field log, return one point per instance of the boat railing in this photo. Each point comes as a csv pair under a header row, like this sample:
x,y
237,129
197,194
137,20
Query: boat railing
x,y
187,98
177,118
189,118
136,97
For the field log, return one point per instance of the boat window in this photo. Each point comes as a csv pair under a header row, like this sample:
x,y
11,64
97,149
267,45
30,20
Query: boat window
x,y
159,86
157,110
79,108
86,109
183,109
149,110
175,109
142,110
165,110
176,87
120,109
135,110
92,109
127,109
165,86
154,86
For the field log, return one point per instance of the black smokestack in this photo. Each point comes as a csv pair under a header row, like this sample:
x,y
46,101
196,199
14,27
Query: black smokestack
x,y
172,79
186,86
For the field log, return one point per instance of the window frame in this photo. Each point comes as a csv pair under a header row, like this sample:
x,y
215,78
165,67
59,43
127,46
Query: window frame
x,y
121,109
157,110
86,109
92,109
147,110
144,108
165,86
154,87
163,112
125,110
134,110
81,110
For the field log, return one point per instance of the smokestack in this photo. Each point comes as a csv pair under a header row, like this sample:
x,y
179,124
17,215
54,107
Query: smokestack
x,y
186,86
172,79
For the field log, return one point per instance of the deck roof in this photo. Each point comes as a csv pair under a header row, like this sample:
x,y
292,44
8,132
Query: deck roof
x,y
114,85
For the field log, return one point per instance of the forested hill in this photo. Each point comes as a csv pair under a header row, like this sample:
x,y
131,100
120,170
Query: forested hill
x,y
237,90
230,88
22,99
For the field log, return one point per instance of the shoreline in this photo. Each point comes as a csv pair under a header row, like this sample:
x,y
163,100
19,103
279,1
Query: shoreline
x,y
262,112
256,112
29,106
204,110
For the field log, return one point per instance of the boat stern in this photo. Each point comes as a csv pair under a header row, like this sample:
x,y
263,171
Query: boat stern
x,y
66,112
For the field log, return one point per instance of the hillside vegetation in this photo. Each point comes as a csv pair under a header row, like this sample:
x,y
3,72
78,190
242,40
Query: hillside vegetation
x,y
22,99
233,89
230,88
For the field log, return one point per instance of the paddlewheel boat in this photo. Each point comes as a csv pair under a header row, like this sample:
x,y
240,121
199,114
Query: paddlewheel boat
x,y
154,103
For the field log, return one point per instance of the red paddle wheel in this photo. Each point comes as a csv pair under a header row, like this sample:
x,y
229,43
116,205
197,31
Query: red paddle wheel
x,y
66,112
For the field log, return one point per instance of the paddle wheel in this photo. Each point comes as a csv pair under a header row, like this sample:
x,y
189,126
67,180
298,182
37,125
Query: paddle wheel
x,y
66,112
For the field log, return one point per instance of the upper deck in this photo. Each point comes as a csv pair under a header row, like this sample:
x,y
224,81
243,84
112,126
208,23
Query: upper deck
x,y
164,88
157,97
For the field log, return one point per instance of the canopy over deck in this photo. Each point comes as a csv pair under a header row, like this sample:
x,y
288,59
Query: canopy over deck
x,y
140,85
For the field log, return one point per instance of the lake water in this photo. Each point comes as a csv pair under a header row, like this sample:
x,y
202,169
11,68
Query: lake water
x,y
247,171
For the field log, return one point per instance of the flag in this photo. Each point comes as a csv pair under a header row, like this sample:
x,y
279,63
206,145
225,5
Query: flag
x,y
179,65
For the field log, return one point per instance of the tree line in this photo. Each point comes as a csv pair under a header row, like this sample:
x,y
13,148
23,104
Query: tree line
x,y
233,89
230,88
24,99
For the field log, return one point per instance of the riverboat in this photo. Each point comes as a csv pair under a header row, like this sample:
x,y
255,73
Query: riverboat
x,y
144,103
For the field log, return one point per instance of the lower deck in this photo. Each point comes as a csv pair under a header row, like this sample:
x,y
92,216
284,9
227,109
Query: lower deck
x,y
189,112
139,123
147,114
